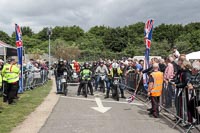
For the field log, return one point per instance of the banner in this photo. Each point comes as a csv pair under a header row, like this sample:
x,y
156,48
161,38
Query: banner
x,y
19,45
148,30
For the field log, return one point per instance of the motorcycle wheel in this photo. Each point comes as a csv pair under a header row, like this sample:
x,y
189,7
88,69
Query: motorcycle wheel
x,y
65,89
117,94
86,89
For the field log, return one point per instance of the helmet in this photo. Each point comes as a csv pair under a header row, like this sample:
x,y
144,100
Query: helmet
x,y
115,65
61,60
86,65
101,62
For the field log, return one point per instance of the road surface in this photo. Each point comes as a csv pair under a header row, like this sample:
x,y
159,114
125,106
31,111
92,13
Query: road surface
x,y
76,114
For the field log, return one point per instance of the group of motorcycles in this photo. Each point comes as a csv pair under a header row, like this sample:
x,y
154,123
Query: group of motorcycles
x,y
66,79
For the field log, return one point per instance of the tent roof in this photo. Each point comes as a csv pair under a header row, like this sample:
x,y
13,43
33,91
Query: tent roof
x,y
3,44
193,55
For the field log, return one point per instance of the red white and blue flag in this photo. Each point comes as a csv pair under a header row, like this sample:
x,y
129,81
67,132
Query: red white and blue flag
x,y
148,30
19,45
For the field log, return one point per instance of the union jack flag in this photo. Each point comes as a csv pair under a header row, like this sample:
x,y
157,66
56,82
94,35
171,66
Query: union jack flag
x,y
19,45
131,98
18,36
148,30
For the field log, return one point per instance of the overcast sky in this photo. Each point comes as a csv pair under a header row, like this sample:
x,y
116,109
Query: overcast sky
x,y
87,13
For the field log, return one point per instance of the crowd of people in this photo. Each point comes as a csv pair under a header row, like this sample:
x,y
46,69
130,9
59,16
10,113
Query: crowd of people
x,y
173,80
10,75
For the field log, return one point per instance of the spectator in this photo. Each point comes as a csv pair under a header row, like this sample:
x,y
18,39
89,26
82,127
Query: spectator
x,y
175,53
168,76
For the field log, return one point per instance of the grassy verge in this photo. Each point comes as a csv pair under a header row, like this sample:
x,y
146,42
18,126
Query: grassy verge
x,y
12,115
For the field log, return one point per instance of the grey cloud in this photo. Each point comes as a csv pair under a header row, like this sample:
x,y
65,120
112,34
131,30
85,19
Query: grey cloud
x,y
88,13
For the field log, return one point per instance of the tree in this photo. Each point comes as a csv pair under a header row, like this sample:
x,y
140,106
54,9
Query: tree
x,y
115,39
60,49
5,37
27,31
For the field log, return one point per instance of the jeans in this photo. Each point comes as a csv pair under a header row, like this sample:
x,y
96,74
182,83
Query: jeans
x,y
106,80
58,82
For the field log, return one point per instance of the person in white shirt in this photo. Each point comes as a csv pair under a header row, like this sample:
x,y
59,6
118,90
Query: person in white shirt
x,y
175,52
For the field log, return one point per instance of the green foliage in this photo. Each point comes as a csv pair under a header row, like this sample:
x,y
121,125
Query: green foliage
x,y
108,42
26,31
13,115
5,37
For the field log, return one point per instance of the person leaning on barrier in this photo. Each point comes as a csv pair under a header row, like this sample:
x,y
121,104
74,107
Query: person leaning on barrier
x,y
10,73
85,73
194,89
155,89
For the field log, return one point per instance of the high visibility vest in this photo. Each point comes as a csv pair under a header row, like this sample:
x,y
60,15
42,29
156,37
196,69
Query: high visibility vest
x,y
1,79
119,72
86,72
158,83
10,73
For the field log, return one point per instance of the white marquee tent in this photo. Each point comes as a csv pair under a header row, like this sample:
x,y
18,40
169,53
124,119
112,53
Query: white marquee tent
x,y
193,56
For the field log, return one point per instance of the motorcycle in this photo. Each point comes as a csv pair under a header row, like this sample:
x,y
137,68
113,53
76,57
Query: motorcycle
x,y
101,82
75,77
63,84
85,80
115,88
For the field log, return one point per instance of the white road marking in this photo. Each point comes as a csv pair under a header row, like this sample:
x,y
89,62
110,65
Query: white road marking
x,y
100,107
106,101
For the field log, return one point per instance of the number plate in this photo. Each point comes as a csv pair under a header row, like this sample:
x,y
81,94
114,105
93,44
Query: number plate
x,y
63,80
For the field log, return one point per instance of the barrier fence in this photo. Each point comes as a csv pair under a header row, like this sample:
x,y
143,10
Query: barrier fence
x,y
33,79
180,105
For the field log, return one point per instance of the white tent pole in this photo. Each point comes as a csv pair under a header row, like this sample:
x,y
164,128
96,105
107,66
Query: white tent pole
x,y
4,52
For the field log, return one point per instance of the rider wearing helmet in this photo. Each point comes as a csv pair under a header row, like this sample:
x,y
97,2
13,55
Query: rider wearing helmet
x,y
115,71
85,73
101,70
59,72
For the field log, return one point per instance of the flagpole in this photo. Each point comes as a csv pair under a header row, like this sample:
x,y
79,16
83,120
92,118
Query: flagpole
x,y
49,32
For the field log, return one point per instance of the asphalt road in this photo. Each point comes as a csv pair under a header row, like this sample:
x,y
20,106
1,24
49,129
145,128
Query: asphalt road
x,y
74,114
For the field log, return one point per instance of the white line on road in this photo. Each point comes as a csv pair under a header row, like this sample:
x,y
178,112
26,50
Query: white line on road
x,y
100,107
106,101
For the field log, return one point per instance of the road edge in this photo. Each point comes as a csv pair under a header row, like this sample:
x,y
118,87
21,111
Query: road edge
x,y
37,118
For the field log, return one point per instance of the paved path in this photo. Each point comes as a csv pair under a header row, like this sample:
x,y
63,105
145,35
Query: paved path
x,y
74,114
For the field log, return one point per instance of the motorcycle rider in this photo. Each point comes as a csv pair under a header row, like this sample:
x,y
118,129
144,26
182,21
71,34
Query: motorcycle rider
x,y
59,72
101,70
115,71
85,72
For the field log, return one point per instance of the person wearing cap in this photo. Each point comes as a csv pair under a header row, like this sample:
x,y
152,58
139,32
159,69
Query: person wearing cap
x,y
155,89
10,73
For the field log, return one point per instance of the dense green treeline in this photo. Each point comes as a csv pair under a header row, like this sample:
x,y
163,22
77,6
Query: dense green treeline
x,y
108,42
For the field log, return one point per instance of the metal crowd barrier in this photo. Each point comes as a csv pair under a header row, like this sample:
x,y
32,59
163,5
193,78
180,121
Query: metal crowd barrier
x,y
34,79
179,105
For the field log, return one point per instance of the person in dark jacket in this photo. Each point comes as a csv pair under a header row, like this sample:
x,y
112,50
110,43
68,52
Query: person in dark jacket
x,y
59,72
182,91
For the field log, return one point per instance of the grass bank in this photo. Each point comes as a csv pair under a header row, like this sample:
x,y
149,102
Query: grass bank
x,y
12,115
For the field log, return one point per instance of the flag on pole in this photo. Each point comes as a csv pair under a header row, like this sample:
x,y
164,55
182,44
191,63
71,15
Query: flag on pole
x,y
19,45
148,30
